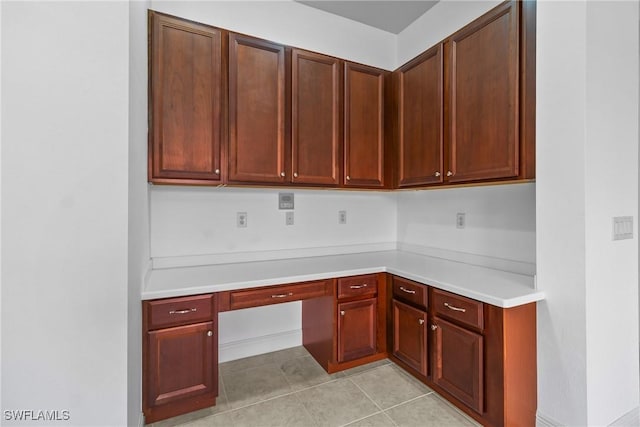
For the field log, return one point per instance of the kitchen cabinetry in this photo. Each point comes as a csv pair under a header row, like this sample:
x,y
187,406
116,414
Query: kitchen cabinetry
x,y
180,356
316,123
256,111
364,130
186,101
419,115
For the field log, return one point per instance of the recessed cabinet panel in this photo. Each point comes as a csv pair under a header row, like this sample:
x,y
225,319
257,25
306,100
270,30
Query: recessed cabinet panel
x,y
420,133
483,97
186,101
410,336
356,329
256,110
315,125
364,126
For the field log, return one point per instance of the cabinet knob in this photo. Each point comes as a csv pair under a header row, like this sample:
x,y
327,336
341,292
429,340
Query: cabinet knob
x,y
437,173
421,321
282,174
348,178
341,312
295,174
217,171
210,334
434,327
449,173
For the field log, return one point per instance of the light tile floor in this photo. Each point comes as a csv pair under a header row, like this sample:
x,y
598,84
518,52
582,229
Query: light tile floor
x,y
288,388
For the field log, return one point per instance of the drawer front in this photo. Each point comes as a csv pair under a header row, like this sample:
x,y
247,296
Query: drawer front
x,y
267,295
349,287
455,307
411,292
179,311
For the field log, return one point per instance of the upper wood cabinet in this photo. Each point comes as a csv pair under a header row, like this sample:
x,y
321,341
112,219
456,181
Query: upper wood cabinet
x,y
316,134
364,148
256,110
186,101
419,119
483,93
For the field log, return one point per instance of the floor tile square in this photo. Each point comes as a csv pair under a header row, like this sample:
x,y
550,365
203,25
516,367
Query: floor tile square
x,y
303,372
427,411
254,385
377,420
387,386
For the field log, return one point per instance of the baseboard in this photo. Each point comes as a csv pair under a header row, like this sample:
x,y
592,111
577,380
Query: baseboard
x,y
544,421
630,419
141,420
259,345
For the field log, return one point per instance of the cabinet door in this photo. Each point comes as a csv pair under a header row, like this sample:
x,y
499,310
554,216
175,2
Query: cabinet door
x,y
483,97
458,363
364,126
315,121
356,329
420,127
410,336
182,363
186,100
256,110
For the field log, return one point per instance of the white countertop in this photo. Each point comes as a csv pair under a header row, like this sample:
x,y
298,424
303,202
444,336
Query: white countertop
x,y
496,287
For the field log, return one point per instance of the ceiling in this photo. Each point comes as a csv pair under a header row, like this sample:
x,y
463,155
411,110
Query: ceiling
x,y
391,16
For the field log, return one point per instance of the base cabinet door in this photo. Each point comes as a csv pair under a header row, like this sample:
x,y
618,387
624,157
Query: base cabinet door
x,y
458,362
182,363
410,336
356,329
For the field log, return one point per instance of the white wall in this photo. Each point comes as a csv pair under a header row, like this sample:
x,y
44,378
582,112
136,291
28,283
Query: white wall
x,y
64,209
293,24
138,223
587,172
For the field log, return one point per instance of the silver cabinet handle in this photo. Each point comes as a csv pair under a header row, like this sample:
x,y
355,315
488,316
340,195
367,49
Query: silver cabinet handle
x,y
282,174
434,327
282,295
358,286
437,173
421,321
348,178
341,312
185,311
450,307
409,291
217,171
295,175
209,334
449,173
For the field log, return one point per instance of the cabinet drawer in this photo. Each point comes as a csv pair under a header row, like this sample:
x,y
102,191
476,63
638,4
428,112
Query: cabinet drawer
x,y
411,292
358,285
455,307
179,311
267,295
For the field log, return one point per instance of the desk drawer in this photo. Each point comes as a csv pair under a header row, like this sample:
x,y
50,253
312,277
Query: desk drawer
x,y
411,292
357,285
267,295
169,312
456,307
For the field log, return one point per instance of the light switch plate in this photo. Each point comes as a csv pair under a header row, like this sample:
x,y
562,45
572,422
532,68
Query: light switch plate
x,y
622,227
285,201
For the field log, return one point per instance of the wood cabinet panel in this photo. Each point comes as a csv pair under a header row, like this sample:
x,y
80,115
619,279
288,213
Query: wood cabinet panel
x,y
356,329
364,126
411,292
458,363
186,101
349,287
268,295
316,134
180,311
410,336
420,126
483,97
458,308
256,110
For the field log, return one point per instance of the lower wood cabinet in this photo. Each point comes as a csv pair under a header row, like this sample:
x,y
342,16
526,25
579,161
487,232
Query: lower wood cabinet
x,y
356,329
410,336
180,363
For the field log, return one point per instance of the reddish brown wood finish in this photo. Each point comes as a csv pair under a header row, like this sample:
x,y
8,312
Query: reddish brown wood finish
x,y
349,287
483,97
169,312
364,106
356,329
186,101
410,292
256,297
528,90
420,108
256,110
319,323
410,336
462,310
316,122
458,363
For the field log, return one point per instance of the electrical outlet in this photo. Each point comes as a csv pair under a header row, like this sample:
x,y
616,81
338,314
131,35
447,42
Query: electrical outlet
x,y
241,219
342,217
460,220
289,218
